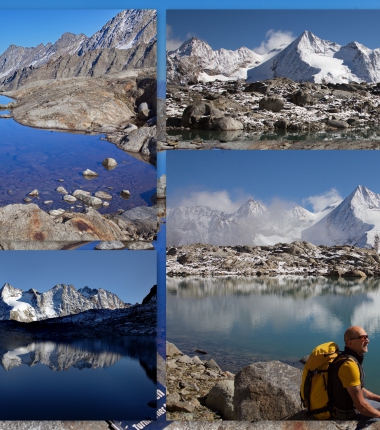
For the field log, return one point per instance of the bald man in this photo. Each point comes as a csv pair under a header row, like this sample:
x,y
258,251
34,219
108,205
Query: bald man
x,y
347,394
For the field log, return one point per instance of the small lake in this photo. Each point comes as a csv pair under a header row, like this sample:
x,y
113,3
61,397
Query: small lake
x,y
239,321
88,379
41,159
240,135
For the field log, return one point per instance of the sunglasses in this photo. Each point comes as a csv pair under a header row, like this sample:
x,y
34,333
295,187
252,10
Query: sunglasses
x,y
361,337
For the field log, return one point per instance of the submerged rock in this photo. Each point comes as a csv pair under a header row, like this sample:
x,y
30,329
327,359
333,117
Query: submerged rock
x,y
109,162
89,172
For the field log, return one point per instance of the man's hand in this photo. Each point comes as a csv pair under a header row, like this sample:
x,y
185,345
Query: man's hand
x,y
360,402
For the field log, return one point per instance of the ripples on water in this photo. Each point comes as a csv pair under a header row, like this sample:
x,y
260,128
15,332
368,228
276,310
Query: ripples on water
x,y
244,320
37,159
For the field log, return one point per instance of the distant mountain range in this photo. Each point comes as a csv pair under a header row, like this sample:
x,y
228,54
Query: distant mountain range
x,y
354,221
126,41
62,300
307,58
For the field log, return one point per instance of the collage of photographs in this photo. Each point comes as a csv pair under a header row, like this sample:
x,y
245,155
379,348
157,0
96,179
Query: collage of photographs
x,y
233,163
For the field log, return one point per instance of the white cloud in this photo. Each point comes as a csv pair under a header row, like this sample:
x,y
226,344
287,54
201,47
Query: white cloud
x,y
172,43
321,201
274,39
216,200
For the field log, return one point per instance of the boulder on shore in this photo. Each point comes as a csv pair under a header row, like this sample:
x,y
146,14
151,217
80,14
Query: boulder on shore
x,y
267,391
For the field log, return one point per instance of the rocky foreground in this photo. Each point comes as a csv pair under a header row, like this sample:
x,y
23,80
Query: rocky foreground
x,y
121,105
296,258
280,104
263,395
20,224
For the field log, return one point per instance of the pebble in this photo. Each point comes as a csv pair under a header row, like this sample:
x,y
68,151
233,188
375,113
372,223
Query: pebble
x,y
69,199
33,193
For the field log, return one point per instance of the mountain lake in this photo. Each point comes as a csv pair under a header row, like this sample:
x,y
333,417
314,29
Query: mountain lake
x,y
37,159
238,320
86,379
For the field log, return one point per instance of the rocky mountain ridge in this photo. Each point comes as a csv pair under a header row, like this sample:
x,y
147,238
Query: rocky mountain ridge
x,y
195,60
61,300
120,38
309,58
354,221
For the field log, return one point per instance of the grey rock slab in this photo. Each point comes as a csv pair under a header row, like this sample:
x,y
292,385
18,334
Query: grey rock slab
x,y
69,199
103,195
274,104
211,364
172,350
89,200
29,222
76,192
140,246
267,391
221,398
108,245
135,140
227,124
185,359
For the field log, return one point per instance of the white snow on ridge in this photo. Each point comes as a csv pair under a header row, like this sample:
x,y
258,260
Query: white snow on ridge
x,y
309,58
353,221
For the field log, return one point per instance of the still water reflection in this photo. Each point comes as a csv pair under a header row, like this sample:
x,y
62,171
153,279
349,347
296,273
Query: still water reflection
x,y
240,135
85,379
242,320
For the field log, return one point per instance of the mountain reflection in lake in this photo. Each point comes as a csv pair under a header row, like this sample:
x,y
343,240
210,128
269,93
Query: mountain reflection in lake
x,y
242,320
89,379
38,159
276,134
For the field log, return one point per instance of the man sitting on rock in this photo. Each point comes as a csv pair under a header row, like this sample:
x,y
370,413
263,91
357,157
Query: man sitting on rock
x,y
348,396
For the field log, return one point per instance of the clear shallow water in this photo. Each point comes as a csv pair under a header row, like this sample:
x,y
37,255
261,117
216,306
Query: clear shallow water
x,y
3,101
230,136
242,320
37,159
87,379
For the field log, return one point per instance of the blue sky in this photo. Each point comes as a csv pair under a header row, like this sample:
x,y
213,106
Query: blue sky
x,y
163,5
130,275
28,28
226,179
233,29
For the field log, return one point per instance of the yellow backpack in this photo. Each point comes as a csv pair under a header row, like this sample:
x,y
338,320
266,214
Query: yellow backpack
x,y
314,392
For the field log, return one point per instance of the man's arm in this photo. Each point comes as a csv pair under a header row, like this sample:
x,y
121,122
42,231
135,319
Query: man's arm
x,y
360,402
370,396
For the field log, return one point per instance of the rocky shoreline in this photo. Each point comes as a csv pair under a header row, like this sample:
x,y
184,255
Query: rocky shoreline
x,y
263,395
296,258
122,106
240,109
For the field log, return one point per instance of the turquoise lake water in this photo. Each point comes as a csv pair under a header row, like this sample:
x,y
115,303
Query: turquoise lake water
x,y
243,320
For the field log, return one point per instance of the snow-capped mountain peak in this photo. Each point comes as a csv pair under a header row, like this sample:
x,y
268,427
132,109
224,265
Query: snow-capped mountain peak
x,y
60,301
309,58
